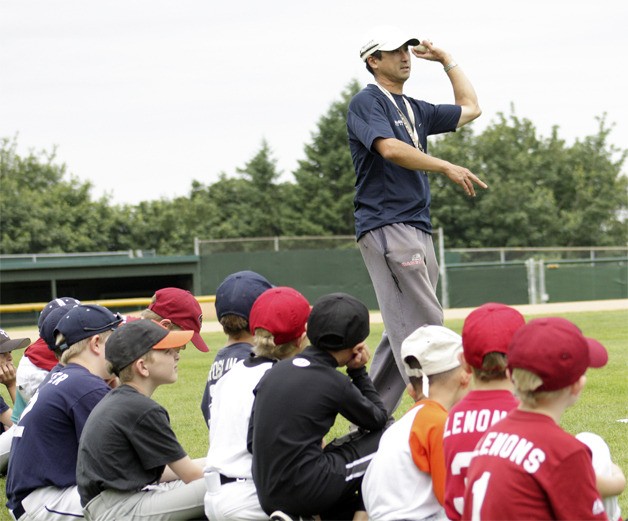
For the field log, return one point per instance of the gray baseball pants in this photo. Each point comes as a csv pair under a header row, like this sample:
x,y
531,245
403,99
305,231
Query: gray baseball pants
x,y
170,501
402,265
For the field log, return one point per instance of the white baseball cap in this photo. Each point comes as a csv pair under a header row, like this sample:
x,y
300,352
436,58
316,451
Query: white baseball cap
x,y
386,38
436,348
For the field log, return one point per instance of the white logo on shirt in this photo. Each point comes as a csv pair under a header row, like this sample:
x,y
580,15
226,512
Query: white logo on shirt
x,y
598,507
300,362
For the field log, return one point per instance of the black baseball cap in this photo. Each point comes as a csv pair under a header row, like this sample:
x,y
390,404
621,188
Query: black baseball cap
x,y
134,339
85,321
338,321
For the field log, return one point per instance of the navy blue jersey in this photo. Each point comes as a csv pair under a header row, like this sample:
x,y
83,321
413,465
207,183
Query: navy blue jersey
x,y
3,405
225,359
45,444
3,408
385,192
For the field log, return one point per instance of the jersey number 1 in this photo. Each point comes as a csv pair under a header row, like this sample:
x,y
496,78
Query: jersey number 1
x,y
479,493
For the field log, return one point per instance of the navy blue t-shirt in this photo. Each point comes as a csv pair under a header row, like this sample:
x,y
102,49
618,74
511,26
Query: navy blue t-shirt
x,y
225,359
385,192
45,444
3,407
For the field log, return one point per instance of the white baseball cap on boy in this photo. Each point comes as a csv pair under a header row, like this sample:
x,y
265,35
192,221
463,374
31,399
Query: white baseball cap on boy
x,y
436,348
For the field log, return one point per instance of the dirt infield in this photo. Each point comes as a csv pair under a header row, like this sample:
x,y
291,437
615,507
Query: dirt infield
x,y
210,324
461,313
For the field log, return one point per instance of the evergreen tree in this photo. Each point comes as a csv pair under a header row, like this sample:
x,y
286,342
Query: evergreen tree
x,y
326,178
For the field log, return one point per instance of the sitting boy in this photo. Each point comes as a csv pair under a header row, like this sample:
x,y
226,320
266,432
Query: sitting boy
x,y
234,298
486,333
38,359
127,441
41,480
406,479
526,466
609,477
278,319
176,308
296,404
7,378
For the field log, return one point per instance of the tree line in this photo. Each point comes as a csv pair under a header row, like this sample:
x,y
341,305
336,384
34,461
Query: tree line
x,y
542,192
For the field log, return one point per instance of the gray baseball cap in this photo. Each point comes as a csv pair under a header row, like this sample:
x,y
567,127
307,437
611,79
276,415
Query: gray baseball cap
x,y
7,345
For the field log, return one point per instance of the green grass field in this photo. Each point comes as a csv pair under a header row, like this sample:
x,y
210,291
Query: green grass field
x,y
603,403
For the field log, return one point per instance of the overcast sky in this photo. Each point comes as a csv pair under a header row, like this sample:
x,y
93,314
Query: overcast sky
x,y
140,97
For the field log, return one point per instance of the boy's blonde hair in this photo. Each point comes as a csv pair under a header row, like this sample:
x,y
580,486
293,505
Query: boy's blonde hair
x,y
79,347
493,368
526,383
150,314
264,345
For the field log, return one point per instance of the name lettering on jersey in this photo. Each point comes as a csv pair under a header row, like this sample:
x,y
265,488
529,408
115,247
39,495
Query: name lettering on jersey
x,y
59,377
514,448
220,367
462,422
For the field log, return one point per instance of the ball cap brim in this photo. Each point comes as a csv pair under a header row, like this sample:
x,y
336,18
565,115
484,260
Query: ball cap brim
x,y
134,339
182,308
7,344
387,38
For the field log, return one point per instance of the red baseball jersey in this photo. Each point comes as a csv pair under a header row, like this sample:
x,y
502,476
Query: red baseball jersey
x,y
467,422
527,467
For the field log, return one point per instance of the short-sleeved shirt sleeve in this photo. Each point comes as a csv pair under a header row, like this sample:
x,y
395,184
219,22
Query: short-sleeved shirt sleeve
x,y
385,192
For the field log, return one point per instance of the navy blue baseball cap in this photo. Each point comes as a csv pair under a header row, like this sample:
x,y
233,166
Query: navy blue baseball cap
x,y
55,304
47,329
85,321
238,292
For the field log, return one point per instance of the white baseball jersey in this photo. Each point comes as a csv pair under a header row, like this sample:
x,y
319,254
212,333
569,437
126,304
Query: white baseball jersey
x,y
394,486
229,418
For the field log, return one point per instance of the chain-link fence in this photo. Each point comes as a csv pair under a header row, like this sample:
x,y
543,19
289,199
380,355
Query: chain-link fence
x,y
256,244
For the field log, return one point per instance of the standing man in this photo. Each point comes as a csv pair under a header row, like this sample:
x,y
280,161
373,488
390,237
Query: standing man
x,y
388,141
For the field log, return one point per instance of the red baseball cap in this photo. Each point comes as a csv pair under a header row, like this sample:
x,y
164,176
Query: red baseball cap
x,y
489,329
180,307
555,350
283,311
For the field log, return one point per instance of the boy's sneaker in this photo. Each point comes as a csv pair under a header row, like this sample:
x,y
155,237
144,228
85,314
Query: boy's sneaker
x,y
278,515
